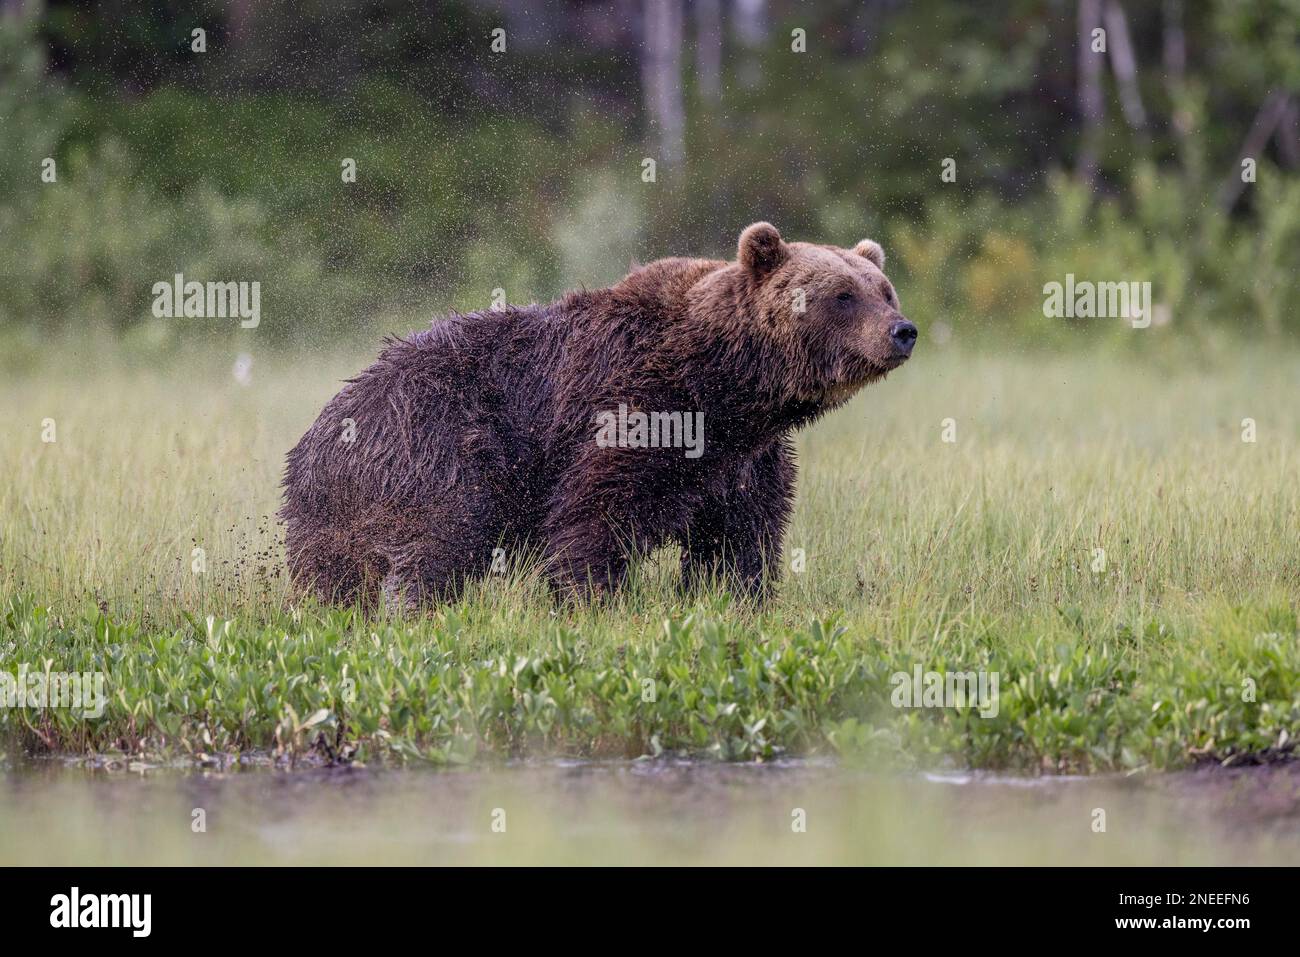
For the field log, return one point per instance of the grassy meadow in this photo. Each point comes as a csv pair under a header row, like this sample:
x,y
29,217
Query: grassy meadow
x,y
1097,533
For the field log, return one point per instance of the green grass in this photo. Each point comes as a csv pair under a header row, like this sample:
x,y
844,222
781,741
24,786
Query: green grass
x,y
965,556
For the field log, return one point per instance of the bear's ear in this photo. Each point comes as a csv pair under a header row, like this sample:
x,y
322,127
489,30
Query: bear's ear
x,y
761,249
870,249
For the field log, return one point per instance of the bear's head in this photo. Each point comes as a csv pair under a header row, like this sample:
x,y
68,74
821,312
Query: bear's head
x,y
831,314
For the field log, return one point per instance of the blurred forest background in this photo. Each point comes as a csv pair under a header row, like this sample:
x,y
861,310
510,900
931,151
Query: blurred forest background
x,y
523,169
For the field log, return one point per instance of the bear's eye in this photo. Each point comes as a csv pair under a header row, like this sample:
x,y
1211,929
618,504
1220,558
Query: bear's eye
x,y
889,295
845,297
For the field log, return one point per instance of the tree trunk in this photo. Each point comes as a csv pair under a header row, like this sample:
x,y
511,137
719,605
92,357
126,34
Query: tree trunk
x,y
20,8
708,49
751,31
241,21
1175,42
661,79
1288,134
1174,57
1092,106
1124,63
1274,110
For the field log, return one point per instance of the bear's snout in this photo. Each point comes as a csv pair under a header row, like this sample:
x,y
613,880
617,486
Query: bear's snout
x,y
903,335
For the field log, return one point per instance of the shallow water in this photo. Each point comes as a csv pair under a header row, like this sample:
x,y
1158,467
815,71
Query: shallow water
x,y
645,812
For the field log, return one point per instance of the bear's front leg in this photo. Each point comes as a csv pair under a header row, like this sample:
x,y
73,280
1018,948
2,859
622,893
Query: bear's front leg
x,y
613,504
736,533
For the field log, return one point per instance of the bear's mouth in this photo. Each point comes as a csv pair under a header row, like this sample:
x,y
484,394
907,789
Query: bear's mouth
x,y
858,372
876,368
896,360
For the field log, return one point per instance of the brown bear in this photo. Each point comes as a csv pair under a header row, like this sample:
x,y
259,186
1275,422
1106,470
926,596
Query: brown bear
x,y
593,429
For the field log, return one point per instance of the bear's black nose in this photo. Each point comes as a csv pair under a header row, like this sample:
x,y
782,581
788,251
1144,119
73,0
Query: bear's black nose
x,y
903,335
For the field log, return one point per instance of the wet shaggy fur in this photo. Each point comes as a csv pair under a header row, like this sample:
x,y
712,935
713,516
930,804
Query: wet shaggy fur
x,y
480,432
